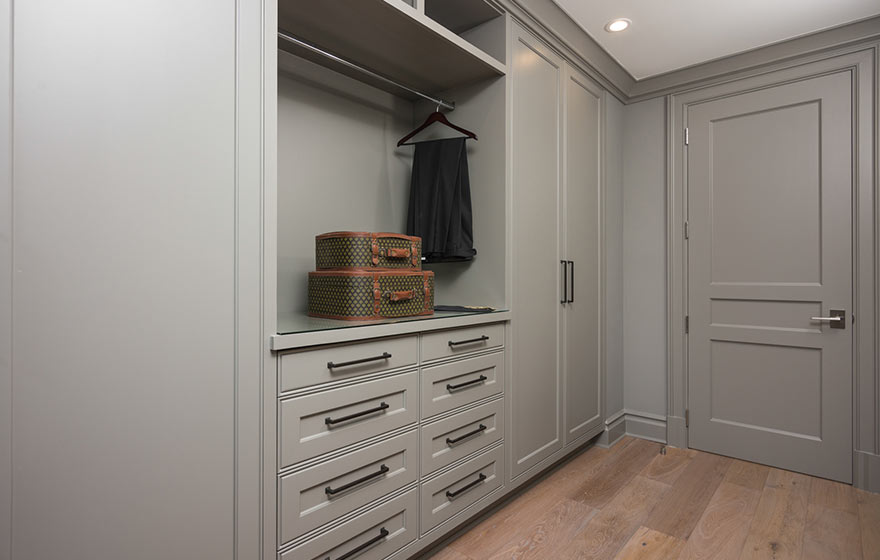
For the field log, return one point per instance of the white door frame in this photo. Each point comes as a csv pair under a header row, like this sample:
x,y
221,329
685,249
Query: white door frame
x,y
861,61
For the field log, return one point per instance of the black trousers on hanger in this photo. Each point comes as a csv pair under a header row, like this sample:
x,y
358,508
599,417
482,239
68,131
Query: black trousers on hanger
x,y
440,201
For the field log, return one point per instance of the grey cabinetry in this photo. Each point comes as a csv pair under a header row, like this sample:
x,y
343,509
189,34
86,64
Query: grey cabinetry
x,y
554,382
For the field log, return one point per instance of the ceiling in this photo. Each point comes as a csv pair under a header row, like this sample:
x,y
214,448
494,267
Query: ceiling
x,y
667,35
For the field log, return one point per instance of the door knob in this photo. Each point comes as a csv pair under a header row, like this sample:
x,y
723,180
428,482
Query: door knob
x,y
837,319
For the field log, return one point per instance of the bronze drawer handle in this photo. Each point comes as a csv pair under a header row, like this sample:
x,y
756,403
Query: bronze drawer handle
x,y
453,343
383,532
450,442
462,490
452,388
384,356
330,421
382,470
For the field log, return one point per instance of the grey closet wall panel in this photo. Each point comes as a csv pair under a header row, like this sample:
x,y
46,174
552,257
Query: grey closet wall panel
x,y
5,276
613,252
336,136
123,307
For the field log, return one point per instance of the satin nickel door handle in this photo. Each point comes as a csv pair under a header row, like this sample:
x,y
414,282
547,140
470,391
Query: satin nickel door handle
x,y
837,319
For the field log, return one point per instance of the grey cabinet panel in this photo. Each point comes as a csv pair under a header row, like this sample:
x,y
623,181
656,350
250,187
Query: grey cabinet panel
x,y
457,342
535,380
459,488
448,440
582,315
307,426
317,495
454,384
312,367
389,528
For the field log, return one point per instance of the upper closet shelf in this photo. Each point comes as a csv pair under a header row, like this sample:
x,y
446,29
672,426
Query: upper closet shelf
x,y
398,41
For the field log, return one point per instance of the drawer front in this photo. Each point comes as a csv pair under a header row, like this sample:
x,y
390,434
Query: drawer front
x,y
373,535
457,489
456,437
455,384
456,342
322,422
334,363
320,494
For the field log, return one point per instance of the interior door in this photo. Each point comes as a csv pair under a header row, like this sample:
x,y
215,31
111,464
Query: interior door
x,y
581,366
770,182
535,380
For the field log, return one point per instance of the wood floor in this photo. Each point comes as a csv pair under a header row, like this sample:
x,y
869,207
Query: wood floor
x,y
631,502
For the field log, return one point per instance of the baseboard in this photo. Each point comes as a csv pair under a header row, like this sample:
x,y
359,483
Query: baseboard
x,y
645,425
615,428
866,471
676,432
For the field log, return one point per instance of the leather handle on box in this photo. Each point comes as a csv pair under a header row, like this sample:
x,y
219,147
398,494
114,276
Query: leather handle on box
x,y
397,253
402,296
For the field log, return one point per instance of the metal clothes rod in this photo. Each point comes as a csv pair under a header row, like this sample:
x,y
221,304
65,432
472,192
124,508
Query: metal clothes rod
x,y
440,102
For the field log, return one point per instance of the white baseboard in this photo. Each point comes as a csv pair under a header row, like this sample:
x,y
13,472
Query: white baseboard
x,y
866,467
615,428
645,425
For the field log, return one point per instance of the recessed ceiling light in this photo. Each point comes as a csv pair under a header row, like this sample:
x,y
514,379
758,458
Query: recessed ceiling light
x,y
616,25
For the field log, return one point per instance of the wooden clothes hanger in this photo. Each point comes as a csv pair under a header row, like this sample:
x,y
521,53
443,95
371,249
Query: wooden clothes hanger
x,y
434,117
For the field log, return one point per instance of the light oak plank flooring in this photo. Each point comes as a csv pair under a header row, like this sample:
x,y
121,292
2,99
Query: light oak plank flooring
x,y
630,501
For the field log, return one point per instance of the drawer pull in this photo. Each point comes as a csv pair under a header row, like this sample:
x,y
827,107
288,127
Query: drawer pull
x,y
450,441
452,388
382,470
384,356
463,489
330,421
383,532
453,344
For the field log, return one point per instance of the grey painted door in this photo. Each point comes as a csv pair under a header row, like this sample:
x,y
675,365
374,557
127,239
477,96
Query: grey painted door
x,y
581,401
535,380
769,207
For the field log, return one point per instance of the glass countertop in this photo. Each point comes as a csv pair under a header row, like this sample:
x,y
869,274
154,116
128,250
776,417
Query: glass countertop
x,y
293,323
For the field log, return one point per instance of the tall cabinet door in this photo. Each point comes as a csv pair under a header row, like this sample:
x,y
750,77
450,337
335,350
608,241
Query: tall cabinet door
x,y
582,105
536,384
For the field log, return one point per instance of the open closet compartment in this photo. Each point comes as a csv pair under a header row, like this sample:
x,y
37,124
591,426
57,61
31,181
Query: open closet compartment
x,y
339,166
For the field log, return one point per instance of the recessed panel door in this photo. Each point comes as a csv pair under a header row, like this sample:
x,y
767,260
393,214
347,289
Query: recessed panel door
x,y
770,276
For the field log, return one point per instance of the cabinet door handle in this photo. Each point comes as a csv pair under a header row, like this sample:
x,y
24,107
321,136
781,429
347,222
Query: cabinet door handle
x,y
564,282
384,356
330,421
483,338
382,470
452,388
571,271
463,489
383,532
452,441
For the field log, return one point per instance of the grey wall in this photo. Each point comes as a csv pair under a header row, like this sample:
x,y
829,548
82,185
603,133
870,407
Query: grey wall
x,y
5,278
613,166
644,257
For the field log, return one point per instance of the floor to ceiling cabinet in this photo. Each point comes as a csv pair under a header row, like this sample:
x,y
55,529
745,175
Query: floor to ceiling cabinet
x,y
554,397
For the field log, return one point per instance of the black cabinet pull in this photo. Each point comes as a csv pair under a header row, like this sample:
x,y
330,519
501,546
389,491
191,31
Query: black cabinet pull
x,y
571,297
330,421
452,441
480,379
383,532
463,489
384,356
382,470
483,338
564,282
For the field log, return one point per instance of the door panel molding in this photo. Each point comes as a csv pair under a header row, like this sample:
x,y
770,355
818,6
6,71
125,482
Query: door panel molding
x,y
866,385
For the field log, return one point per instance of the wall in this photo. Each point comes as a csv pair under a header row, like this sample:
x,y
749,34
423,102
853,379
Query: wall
x,y
613,252
644,267
5,279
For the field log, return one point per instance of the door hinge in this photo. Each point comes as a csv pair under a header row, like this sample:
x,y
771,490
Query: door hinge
x,y
687,230
687,136
687,324
687,418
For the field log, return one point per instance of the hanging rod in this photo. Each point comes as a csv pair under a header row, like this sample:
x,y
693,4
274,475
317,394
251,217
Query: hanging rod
x,y
440,102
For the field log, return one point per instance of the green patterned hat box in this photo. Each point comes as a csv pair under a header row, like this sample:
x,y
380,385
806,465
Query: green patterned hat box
x,y
353,250
365,295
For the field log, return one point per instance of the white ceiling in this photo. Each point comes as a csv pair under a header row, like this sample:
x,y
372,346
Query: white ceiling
x,y
667,35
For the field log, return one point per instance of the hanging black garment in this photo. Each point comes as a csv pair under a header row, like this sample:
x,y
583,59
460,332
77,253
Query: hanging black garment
x,y
440,201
